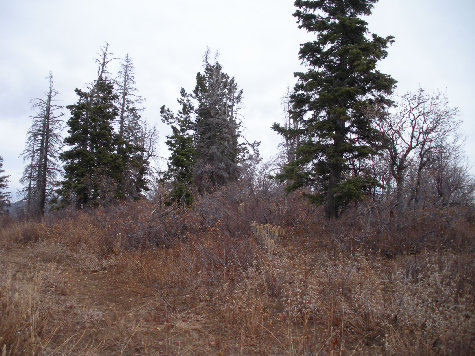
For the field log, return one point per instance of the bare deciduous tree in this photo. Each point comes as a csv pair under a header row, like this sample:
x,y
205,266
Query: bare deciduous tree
x,y
413,134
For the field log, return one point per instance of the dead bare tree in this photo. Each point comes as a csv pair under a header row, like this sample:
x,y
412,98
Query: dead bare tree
x,y
137,140
4,195
42,148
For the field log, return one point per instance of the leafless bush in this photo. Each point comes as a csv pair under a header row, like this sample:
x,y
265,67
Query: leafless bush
x,y
23,232
141,225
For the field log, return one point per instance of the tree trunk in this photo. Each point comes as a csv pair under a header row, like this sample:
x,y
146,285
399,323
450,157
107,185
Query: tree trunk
x,y
417,189
331,207
336,169
400,193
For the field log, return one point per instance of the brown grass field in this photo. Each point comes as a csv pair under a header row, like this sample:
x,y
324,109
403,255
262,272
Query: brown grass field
x,y
230,278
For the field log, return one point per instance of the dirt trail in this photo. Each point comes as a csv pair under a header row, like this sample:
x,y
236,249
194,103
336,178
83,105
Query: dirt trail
x,y
100,289
91,307
100,311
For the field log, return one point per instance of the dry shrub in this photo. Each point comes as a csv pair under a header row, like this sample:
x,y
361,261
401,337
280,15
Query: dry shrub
x,y
6,220
432,306
373,227
194,265
445,228
352,303
268,235
25,326
142,224
237,207
22,232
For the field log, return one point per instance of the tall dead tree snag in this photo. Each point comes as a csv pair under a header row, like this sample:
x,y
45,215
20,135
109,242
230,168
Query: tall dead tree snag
x,y
41,151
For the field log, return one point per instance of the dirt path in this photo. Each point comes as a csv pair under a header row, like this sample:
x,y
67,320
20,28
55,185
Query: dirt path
x,y
100,312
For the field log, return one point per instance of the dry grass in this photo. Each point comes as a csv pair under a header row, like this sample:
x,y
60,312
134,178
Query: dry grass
x,y
145,279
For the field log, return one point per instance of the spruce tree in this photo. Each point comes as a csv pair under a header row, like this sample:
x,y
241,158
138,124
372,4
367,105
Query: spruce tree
x,y
217,129
4,195
182,151
41,152
331,101
92,166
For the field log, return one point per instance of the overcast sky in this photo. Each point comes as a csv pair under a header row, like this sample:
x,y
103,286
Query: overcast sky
x,y
258,43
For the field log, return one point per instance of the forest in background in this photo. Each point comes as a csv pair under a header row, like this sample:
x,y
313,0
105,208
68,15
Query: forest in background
x,y
358,238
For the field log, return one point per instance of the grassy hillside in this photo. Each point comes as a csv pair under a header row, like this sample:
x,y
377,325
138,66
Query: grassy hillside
x,y
239,273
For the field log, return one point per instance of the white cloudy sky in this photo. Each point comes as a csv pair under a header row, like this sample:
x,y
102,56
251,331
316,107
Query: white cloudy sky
x,y
258,42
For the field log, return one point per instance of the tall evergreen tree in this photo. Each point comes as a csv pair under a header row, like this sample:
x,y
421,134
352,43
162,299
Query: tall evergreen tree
x,y
136,139
217,128
4,195
92,166
330,102
182,151
41,151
